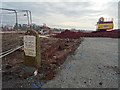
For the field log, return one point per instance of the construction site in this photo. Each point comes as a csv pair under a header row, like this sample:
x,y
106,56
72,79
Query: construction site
x,y
45,58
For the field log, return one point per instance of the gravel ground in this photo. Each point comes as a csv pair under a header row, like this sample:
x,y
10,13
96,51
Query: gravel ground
x,y
93,65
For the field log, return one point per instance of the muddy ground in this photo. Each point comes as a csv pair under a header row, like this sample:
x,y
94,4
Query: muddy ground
x,y
11,40
54,52
92,64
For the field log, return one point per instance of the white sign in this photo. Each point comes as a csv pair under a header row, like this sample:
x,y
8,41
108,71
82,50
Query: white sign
x,y
30,45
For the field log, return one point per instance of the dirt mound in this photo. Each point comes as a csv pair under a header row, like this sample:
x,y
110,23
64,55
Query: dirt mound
x,y
68,34
75,35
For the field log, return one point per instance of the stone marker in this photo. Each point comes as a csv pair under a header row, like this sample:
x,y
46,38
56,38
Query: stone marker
x,y
32,53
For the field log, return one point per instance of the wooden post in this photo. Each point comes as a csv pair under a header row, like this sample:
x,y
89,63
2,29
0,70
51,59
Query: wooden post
x,y
32,51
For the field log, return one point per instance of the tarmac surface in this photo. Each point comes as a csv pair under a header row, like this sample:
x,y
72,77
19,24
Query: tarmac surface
x,y
93,65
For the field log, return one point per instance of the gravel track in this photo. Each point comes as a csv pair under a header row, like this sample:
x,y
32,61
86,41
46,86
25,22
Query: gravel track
x,y
93,65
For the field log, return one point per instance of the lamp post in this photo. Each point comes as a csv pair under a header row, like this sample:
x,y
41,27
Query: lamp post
x,y
29,17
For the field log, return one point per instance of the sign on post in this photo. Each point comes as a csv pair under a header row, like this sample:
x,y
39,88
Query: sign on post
x,y
32,53
30,45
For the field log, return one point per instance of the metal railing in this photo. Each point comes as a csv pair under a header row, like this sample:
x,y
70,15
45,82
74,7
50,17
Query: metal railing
x,y
18,45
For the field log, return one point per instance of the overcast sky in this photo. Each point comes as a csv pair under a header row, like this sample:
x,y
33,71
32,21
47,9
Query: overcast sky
x,y
79,15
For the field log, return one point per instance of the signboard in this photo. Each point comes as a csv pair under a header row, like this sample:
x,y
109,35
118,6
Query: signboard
x,y
30,45
32,49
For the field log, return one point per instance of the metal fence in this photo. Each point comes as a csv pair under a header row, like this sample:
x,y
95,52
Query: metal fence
x,y
14,23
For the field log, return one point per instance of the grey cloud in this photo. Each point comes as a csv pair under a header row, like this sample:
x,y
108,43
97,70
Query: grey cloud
x,y
74,9
70,10
111,9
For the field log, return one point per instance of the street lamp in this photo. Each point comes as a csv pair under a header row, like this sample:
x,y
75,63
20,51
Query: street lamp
x,y
29,17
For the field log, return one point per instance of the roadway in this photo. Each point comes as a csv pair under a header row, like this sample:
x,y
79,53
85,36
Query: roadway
x,y
93,65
